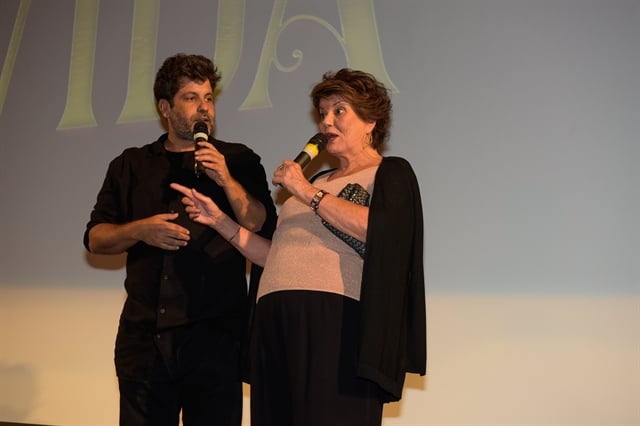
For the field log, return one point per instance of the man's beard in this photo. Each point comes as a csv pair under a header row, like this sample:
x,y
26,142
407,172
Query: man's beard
x,y
184,129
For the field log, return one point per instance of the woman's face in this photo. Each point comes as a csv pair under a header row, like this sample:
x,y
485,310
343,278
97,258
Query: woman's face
x,y
346,133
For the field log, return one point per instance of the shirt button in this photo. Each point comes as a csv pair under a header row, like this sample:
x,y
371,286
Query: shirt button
x,y
165,277
158,336
163,310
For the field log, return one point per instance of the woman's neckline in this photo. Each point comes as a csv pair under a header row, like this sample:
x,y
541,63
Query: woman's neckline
x,y
332,176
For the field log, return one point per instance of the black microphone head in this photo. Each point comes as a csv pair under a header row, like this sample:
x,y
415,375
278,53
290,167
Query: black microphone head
x,y
320,140
200,130
200,133
311,149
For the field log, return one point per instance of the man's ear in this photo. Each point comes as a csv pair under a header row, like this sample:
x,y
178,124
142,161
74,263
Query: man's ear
x,y
164,107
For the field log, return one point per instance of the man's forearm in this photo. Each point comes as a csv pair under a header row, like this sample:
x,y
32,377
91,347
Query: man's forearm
x,y
108,238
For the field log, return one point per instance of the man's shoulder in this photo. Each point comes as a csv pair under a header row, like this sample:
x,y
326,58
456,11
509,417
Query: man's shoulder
x,y
151,148
236,152
227,147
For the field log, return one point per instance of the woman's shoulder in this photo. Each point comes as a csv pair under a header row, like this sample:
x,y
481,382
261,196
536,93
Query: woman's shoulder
x,y
395,165
396,161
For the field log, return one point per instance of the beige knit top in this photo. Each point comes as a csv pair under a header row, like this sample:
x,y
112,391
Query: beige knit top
x,y
305,255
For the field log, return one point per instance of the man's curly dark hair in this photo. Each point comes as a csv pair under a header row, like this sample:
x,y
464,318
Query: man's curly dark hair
x,y
176,68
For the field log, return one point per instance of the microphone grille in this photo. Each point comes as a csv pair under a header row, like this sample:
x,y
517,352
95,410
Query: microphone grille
x,y
320,140
200,127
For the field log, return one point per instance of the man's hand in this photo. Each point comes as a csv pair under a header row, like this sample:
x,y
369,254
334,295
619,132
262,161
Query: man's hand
x,y
160,231
213,162
157,231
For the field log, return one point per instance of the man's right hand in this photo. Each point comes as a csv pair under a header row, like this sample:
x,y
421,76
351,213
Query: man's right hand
x,y
157,231
160,231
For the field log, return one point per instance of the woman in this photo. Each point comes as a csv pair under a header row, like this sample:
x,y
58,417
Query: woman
x,y
335,330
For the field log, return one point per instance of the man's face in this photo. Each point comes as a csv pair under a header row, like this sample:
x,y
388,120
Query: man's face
x,y
192,103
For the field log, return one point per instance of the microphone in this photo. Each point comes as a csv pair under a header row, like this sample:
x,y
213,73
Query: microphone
x,y
200,133
316,144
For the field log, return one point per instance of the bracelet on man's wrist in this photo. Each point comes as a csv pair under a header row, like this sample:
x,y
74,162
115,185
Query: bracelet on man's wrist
x,y
315,201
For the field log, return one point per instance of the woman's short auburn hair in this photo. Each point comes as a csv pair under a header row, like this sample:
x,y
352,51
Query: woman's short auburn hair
x,y
368,97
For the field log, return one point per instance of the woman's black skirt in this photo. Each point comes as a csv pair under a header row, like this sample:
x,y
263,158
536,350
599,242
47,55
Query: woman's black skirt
x,y
304,363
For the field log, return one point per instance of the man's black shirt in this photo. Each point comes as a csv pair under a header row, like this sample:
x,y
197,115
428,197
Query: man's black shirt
x,y
202,283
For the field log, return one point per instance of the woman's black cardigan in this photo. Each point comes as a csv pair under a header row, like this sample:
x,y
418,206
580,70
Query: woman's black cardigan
x,y
392,328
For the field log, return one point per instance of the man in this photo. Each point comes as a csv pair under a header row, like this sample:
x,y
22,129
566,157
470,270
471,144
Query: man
x,y
179,337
